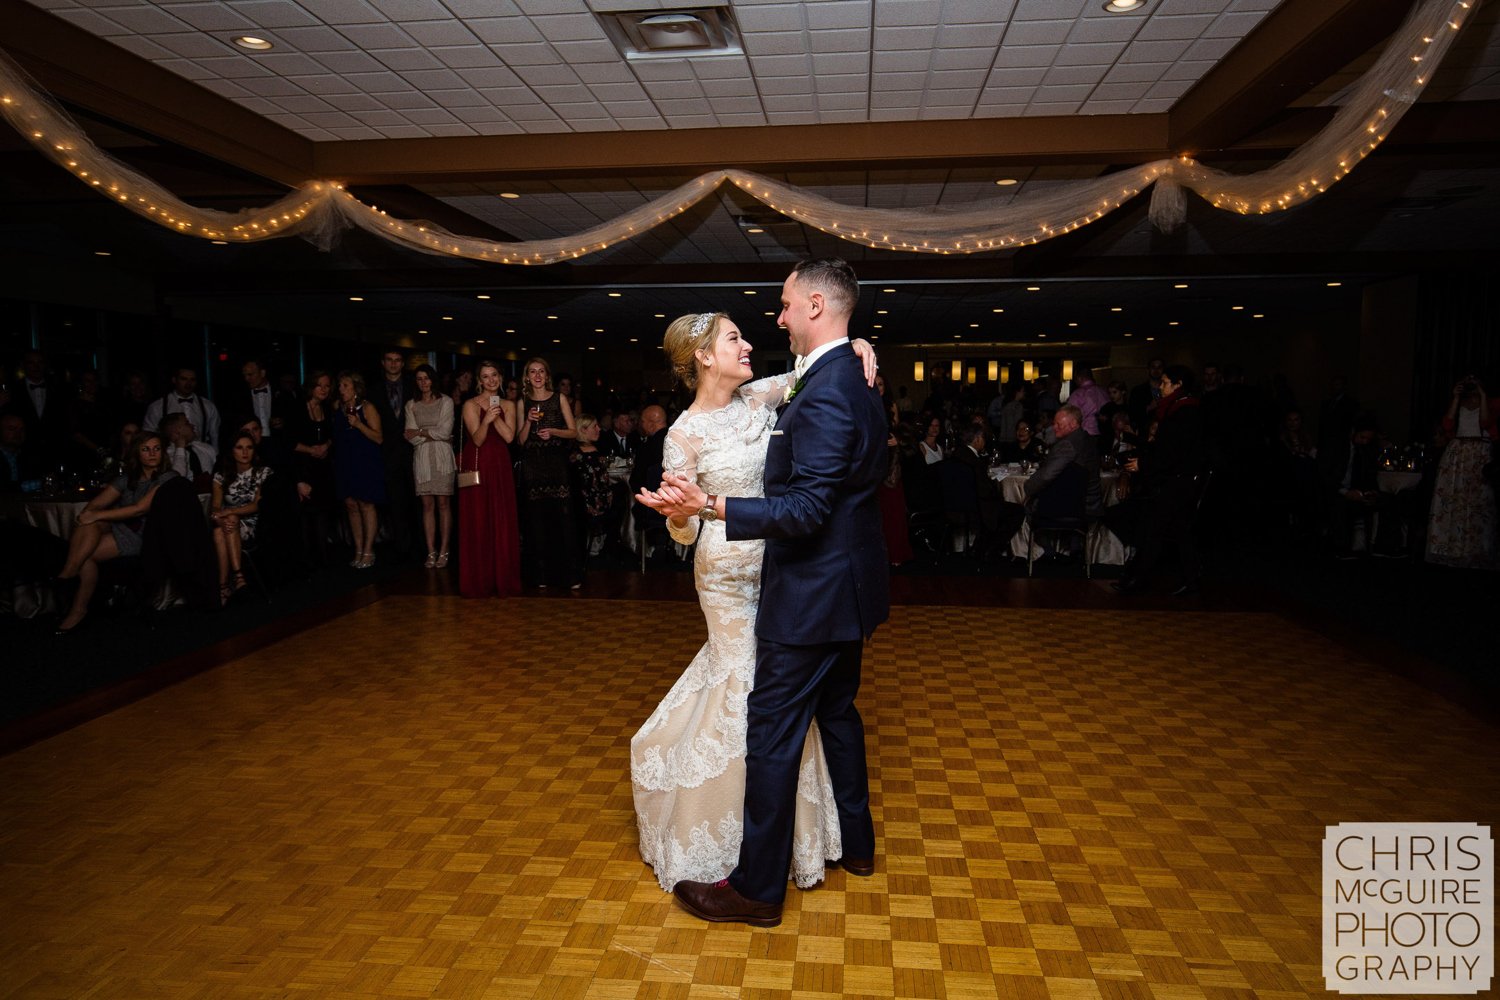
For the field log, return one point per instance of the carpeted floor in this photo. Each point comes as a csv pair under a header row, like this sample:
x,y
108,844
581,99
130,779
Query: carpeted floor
x,y
429,797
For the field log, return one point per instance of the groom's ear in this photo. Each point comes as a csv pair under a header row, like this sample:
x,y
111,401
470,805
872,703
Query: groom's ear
x,y
815,304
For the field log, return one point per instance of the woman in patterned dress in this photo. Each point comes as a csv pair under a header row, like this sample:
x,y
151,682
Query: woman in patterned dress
x,y
235,508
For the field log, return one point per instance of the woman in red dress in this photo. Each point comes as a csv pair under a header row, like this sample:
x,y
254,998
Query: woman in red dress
x,y
489,536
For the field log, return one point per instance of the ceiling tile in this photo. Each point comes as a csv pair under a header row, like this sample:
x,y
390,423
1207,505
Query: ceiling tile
x,y
193,45
379,83
348,12
492,76
901,13
1162,28
314,39
851,83
729,88
615,72
1074,75
1012,57
776,43
1017,77
235,68
721,68
795,102
349,62
782,86
550,76
440,33
1104,29
569,27
966,79
1111,107
975,36
412,10
1038,32
924,38
771,17
1092,53
556,95
143,47
504,30
840,102
588,52
977,11
430,80
841,40
608,92
351,102
406,59
187,69
949,98
536,54
212,17
892,82
796,64
376,36
1153,107
1210,49
841,62
960,58
275,13
1048,10
146,20
904,62
1051,108
1154,51
1136,72
838,14
905,99
1174,7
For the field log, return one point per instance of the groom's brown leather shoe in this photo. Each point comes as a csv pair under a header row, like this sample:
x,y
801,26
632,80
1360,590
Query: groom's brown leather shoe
x,y
863,867
720,903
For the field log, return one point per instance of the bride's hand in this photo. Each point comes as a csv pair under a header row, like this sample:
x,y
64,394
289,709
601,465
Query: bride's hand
x,y
865,351
686,490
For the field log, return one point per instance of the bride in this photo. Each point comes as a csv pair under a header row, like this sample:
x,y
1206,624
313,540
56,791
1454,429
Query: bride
x,y
687,763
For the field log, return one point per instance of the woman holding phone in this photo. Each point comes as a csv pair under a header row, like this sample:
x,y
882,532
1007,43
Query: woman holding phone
x,y
488,537
358,468
546,433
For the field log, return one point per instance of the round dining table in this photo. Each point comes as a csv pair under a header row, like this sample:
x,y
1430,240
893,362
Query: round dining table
x,y
1108,549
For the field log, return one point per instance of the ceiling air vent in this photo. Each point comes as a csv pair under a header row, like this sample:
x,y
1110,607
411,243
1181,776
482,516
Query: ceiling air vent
x,y
673,34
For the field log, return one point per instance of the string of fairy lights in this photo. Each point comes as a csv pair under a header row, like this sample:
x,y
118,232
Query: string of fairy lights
x,y
318,208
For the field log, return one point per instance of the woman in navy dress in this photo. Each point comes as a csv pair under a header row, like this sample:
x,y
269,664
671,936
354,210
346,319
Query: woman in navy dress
x,y
358,468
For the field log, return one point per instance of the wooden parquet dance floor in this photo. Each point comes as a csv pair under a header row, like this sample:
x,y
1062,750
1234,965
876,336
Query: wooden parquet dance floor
x,y
429,797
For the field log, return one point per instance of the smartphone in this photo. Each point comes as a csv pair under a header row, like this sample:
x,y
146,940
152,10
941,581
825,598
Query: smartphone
x,y
494,400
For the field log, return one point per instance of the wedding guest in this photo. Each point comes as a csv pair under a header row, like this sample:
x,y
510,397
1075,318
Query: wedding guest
x,y
1169,470
1336,416
135,396
620,442
111,525
183,398
546,430
1295,459
256,397
460,390
894,517
18,462
91,422
40,401
648,469
358,467
930,446
1461,523
1118,395
1144,396
1011,412
119,450
970,454
311,430
389,394
1090,398
234,510
488,535
1070,448
186,455
1027,447
272,452
591,482
1356,494
429,428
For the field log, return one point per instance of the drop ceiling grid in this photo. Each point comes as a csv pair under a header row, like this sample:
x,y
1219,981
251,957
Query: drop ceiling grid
x,y
415,68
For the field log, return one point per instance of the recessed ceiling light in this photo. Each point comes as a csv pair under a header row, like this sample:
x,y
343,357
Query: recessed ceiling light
x,y
509,194
997,310
552,317
1237,308
510,331
1042,335
1072,324
1180,286
478,341
482,298
1033,288
770,314
755,229
221,243
252,43
1335,284
447,317
1150,338
1116,309
1173,323
1123,6
592,347
1130,335
1007,181
421,331
557,341
882,312
749,291
879,326
661,315
1258,316
356,298
874,336
958,336
614,295
887,289
598,329
635,340
973,326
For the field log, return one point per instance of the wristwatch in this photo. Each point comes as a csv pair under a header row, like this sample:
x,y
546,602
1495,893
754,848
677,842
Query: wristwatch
x,y
708,513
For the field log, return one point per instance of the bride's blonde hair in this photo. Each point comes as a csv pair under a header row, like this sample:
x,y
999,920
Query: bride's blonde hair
x,y
686,336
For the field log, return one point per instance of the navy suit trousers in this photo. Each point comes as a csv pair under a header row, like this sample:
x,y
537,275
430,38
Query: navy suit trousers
x,y
793,685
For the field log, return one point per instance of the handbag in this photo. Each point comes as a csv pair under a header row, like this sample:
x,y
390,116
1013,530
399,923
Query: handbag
x,y
470,478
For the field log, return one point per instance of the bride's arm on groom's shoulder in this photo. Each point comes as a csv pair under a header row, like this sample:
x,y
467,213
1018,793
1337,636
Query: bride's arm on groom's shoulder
x,y
769,391
680,457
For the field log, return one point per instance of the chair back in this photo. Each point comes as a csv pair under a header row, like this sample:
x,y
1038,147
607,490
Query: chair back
x,y
1061,505
960,494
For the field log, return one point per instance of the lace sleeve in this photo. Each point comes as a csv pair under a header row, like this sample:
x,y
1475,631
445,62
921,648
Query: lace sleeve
x,y
680,455
768,391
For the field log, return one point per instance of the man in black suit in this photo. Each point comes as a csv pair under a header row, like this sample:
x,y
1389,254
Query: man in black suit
x,y
620,441
647,474
1144,396
257,398
40,402
1070,448
389,395
993,516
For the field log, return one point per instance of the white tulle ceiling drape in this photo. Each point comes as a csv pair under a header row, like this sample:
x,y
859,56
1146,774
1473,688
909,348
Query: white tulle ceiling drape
x,y
320,209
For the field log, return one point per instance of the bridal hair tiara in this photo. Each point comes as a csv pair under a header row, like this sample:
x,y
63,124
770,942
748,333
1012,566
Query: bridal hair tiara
x,y
701,324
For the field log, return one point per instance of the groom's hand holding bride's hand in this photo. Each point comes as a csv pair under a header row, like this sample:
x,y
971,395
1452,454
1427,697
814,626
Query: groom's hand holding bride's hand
x,y
678,497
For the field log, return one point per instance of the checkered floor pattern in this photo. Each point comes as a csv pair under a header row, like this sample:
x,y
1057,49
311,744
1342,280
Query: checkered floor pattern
x,y
429,797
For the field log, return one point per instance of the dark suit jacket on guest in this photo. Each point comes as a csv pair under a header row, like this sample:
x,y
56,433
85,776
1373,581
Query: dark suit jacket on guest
x,y
28,462
984,486
646,474
1078,448
610,445
392,422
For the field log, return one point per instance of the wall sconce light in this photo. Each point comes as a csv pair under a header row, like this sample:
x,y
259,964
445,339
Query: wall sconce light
x,y
919,372
1028,371
973,374
957,370
994,371
1067,371
1004,374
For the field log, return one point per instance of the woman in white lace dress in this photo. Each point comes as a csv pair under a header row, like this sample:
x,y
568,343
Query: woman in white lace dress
x,y
687,763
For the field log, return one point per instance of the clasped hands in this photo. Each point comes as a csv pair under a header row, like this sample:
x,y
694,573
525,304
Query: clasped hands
x,y
678,496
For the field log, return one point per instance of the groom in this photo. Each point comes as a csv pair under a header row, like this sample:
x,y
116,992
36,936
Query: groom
x,y
824,589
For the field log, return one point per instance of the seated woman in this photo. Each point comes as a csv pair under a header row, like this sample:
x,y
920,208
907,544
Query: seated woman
x,y
111,524
1027,447
235,508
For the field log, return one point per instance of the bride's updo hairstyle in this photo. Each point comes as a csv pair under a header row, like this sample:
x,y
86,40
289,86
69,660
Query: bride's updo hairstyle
x,y
686,336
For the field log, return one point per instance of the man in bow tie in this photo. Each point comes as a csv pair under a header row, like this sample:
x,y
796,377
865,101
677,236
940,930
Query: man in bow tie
x,y
257,398
183,398
39,403
824,589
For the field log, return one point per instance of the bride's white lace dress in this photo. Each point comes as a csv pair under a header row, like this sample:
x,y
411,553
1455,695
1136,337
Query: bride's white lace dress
x,y
687,763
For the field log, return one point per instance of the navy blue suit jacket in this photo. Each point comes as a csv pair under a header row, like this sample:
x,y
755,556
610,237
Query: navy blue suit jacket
x,y
826,577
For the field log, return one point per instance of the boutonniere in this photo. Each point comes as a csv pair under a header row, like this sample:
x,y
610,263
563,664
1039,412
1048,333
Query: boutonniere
x,y
791,393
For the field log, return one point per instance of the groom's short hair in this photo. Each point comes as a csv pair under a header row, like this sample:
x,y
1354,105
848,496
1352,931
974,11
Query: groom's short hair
x,y
834,278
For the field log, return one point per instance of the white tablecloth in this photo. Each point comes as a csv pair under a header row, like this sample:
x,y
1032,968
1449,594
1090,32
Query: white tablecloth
x,y
1108,549
1394,480
59,517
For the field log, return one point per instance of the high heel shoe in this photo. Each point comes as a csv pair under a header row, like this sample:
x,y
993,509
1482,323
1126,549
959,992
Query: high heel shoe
x,y
60,631
442,561
431,562
240,583
358,561
367,561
